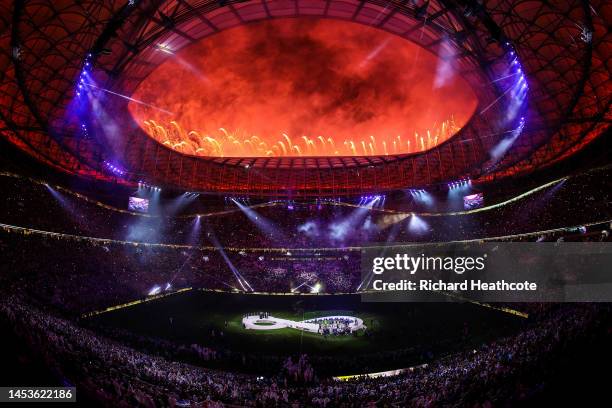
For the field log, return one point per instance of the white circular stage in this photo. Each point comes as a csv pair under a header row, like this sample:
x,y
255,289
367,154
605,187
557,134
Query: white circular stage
x,y
333,325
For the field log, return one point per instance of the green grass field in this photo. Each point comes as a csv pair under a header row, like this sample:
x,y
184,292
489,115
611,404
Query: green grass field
x,y
201,317
293,340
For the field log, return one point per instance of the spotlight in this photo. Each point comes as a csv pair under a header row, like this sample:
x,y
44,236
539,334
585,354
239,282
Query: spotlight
x,y
165,48
91,85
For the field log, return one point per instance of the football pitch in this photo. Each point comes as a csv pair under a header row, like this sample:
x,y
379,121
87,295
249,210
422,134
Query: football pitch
x,y
209,318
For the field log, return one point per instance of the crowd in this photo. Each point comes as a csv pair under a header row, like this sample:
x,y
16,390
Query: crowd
x,y
117,375
80,276
335,326
304,249
578,200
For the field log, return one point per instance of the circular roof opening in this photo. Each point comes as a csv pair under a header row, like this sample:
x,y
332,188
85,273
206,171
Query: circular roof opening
x,y
302,87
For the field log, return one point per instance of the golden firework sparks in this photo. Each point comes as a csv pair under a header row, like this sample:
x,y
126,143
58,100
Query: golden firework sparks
x,y
224,143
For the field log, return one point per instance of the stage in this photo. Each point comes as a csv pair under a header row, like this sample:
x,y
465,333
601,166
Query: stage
x,y
264,321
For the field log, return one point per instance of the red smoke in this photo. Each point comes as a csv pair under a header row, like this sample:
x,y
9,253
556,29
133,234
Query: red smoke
x,y
305,76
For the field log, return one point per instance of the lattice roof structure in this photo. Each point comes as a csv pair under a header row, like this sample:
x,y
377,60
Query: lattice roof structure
x,y
564,49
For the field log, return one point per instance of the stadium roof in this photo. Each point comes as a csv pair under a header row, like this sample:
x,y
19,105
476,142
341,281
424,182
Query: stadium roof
x,y
563,47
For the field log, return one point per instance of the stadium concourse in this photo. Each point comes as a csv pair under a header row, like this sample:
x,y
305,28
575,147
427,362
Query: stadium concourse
x,y
191,191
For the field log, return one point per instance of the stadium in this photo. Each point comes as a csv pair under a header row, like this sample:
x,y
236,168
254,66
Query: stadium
x,y
305,203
